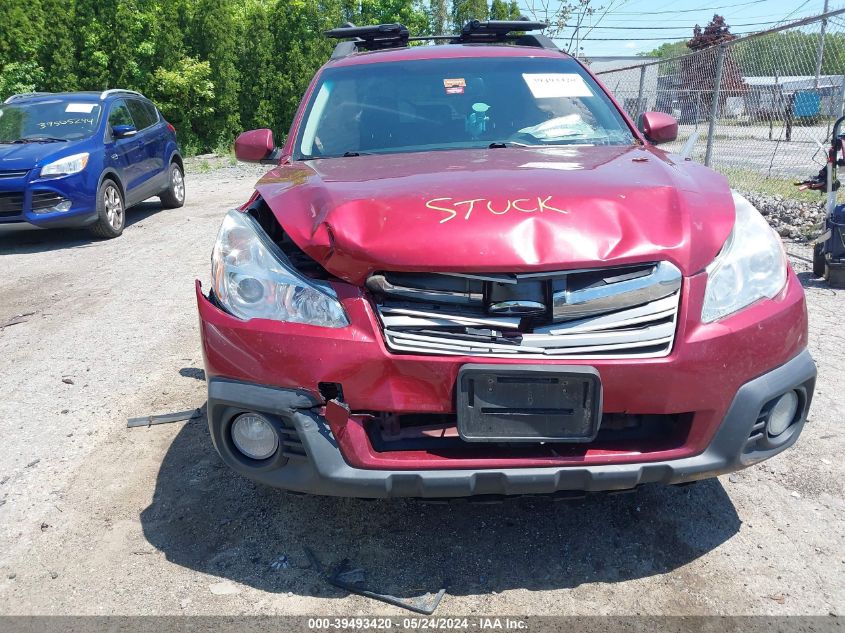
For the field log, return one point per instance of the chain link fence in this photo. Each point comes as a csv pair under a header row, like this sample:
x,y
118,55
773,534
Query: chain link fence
x,y
760,105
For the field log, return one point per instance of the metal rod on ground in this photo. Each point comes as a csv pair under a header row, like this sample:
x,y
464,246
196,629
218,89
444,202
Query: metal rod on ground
x,y
640,108
820,51
714,107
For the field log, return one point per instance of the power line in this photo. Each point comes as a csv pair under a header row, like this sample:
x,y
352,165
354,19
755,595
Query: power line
x,y
676,28
796,10
673,12
647,39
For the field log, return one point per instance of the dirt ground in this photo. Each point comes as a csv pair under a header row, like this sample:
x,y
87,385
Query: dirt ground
x,y
96,518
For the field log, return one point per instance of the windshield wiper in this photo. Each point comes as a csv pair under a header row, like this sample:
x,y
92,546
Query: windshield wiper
x,y
504,144
40,139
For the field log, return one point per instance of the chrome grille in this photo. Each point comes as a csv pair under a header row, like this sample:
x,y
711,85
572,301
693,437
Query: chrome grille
x,y
623,312
13,173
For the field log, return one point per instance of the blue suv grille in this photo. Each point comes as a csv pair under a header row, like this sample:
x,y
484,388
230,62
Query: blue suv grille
x,y
13,173
11,204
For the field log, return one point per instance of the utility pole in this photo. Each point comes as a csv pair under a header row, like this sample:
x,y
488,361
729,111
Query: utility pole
x,y
820,51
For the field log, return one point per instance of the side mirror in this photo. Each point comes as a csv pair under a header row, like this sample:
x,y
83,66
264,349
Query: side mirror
x,y
257,146
123,131
658,127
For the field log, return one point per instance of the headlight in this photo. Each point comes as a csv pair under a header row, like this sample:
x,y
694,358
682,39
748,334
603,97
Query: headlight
x,y
65,166
253,279
751,266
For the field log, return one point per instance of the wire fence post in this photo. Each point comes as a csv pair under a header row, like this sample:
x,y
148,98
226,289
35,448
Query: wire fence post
x,y
820,51
640,108
842,98
697,108
714,106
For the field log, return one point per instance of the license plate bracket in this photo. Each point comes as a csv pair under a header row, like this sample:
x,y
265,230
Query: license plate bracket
x,y
528,403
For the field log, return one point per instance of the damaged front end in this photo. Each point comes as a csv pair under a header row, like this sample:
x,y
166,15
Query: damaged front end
x,y
324,386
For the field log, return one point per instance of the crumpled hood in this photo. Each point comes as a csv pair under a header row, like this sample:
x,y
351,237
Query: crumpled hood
x,y
14,156
501,210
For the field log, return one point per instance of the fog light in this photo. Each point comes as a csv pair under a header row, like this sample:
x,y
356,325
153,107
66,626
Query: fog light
x,y
254,436
783,413
63,206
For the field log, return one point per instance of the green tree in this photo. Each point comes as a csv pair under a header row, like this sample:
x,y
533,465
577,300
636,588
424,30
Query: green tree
x,y
185,94
57,48
257,61
215,38
21,27
465,10
667,50
439,17
503,10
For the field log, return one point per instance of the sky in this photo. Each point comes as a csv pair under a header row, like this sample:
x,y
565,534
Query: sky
x,y
633,22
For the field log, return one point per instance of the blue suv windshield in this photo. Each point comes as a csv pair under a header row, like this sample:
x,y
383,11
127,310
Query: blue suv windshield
x,y
48,121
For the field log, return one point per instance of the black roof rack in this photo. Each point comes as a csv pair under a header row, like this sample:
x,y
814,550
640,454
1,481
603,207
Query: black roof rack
x,y
378,37
375,37
496,30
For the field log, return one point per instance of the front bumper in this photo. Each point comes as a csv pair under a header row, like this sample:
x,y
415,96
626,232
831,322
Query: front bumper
x,y
310,459
79,189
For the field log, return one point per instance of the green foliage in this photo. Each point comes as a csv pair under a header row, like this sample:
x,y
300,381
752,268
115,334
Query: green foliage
x,y
20,77
503,10
667,50
186,97
465,10
791,53
215,67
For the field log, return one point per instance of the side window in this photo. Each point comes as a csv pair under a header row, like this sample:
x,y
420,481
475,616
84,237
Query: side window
x,y
142,115
119,115
154,115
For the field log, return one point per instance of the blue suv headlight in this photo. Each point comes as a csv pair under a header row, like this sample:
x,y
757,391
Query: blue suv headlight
x,y
66,166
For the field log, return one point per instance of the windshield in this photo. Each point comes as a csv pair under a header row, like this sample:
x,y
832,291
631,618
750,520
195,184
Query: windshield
x,y
48,121
424,105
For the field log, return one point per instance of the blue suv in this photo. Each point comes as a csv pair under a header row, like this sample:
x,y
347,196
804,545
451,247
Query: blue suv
x,y
83,158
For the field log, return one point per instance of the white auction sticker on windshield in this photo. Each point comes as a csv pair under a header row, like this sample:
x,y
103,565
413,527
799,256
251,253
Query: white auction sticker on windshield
x,y
81,108
556,85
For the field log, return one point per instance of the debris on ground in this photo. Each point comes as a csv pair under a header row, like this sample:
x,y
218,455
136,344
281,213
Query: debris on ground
x,y
167,418
67,380
281,562
423,605
15,320
224,588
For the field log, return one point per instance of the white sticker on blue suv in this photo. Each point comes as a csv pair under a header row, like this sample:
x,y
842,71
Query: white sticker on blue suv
x,y
81,108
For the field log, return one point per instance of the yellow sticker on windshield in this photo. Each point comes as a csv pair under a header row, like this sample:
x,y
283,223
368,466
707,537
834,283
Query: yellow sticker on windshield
x,y
556,85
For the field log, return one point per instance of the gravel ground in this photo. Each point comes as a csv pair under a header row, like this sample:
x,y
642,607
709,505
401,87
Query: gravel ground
x,y
98,519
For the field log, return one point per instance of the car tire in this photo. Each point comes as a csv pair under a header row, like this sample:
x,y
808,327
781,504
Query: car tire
x,y
174,196
111,211
819,263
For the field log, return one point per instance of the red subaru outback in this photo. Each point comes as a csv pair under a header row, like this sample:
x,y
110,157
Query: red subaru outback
x,y
470,273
